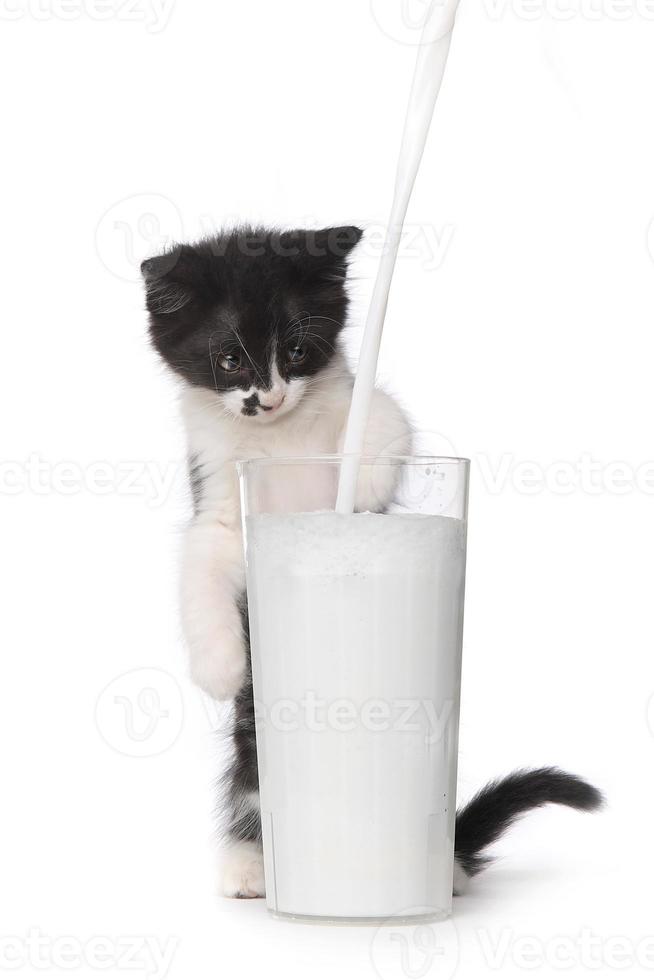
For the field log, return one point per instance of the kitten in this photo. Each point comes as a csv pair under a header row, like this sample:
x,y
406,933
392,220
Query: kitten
x,y
250,323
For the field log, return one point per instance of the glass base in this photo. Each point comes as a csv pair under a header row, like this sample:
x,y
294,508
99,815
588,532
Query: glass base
x,y
434,915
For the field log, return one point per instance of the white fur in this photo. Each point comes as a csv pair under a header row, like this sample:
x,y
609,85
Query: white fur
x,y
309,420
461,879
242,870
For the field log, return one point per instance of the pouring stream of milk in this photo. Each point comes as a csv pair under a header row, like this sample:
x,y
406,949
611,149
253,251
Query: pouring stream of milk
x,y
430,67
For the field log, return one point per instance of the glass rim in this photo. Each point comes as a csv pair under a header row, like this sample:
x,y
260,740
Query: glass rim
x,y
418,459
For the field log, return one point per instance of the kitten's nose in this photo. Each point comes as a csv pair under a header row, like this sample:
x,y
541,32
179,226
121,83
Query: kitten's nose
x,y
274,401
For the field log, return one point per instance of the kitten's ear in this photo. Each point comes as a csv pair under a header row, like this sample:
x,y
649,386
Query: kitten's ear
x,y
337,243
322,255
172,280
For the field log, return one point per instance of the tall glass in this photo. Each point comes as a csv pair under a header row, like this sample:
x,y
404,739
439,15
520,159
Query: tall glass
x,y
356,630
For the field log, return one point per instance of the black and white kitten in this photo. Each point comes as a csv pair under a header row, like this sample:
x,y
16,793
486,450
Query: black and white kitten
x,y
250,322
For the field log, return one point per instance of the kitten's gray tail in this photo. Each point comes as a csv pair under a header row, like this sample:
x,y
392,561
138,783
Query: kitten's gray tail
x,y
494,808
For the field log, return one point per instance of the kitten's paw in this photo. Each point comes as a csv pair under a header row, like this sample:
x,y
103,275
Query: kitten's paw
x,y
219,668
242,871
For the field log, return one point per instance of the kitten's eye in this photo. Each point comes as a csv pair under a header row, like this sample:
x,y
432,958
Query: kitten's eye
x,y
296,355
230,362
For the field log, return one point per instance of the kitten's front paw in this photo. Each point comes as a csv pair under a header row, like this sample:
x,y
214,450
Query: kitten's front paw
x,y
219,668
242,871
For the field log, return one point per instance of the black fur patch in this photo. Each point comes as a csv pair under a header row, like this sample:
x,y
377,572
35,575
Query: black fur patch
x,y
246,294
250,404
242,777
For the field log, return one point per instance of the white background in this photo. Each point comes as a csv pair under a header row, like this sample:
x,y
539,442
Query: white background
x,y
520,332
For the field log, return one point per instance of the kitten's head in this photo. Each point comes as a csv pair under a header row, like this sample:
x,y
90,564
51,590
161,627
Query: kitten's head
x,y
251,315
